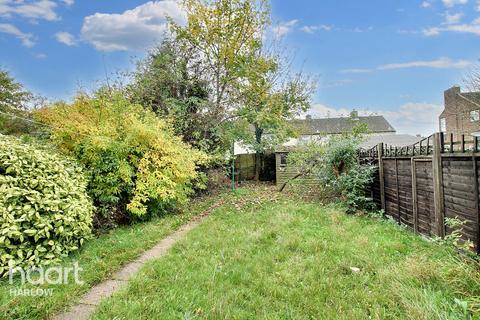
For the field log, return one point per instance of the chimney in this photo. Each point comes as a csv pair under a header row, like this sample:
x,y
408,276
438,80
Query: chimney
x,y
450,97
453,90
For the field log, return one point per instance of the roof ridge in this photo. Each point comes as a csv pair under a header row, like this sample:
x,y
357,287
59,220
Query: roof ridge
x,y
345,117
376,123
471,101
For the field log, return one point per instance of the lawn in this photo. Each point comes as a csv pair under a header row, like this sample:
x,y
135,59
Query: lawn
x,y
99,258
281,258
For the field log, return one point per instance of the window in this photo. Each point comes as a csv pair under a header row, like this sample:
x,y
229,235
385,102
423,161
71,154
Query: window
x,y
474,115
443,125
283,159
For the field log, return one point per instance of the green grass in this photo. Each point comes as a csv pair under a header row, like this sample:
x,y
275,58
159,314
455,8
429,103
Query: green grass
x,y
99,258
286,259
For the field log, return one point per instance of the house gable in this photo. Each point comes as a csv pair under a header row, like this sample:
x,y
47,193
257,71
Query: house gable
x,y
461,112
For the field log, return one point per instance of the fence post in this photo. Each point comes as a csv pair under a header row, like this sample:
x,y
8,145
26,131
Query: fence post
x,y
381,176
438,185
414,195
477,209
397,188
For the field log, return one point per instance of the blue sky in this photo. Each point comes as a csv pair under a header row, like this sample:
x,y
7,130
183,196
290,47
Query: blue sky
x,y
392,57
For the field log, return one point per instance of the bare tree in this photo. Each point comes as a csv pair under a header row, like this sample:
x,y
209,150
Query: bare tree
x,y
472,80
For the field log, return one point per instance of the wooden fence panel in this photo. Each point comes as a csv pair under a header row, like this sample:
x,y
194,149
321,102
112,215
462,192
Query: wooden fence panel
x,y
375,188
459,189
425,205
476,163
391,189
405,192
425,183
245,167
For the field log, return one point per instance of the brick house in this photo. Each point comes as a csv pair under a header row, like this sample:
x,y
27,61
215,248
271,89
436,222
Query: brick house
x,y
461,114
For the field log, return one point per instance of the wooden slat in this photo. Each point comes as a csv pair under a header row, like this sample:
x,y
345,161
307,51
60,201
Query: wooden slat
x,y
426,182
438,186
476,197
414,197
381,176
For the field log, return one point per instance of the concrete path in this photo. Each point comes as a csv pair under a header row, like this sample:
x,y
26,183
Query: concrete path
x,y
119,280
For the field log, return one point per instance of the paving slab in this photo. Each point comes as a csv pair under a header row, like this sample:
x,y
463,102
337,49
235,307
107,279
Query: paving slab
x,y
128,271
102,291
78,312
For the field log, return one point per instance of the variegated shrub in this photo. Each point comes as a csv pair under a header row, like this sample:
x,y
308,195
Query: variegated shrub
x,y
45,211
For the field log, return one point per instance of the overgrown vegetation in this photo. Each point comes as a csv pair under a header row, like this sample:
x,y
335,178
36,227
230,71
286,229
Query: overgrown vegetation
x,y
135,164
44,208
215,78
144,149
280,258
252,89
14,100
166,83
334,163
99,258
271,96
454,237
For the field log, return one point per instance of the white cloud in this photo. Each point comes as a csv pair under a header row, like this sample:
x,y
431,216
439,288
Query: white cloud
x,y
434,31
41,10
65,38
452,3
426,4
358,70
69,2
477,6
410,118
313,29
26,38
361,30
442,63
415,118
284,28
466,28
134,29
473,28
452,18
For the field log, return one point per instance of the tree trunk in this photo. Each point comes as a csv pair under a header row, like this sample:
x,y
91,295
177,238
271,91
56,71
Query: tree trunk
x,y
258,154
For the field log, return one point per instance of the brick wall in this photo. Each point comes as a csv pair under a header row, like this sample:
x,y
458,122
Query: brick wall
x,y
457,112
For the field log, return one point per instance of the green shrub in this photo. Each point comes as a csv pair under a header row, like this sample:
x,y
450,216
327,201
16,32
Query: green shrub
x,y
45,212
335,165
136,165
352,185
